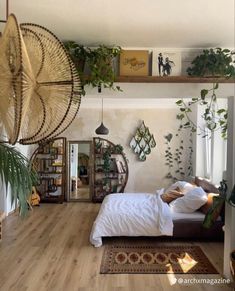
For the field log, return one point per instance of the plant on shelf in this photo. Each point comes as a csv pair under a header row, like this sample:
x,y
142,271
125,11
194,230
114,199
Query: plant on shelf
x,y
215,118
107,161
118,149
213,62
16,172
100,63
98,146
79,54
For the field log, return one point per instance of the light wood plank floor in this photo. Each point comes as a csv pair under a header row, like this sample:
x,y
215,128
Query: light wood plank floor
x,y
50,250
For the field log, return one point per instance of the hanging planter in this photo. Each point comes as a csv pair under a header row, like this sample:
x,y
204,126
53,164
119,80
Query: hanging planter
x,y
142,142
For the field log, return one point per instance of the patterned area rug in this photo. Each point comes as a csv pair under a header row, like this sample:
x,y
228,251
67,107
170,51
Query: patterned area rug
x,y
154,258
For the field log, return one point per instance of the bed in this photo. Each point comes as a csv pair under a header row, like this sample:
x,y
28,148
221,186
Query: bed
x,y
145,214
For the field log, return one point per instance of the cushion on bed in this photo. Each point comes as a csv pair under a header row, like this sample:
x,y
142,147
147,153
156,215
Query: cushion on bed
x,y
183,186
204,209
190,202
171,195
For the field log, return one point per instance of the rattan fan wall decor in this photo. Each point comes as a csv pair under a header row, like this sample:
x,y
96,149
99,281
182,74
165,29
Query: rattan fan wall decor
x,y
40,88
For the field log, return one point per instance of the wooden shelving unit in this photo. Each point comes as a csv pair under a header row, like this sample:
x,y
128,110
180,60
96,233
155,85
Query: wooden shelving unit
x,y
115,178
171,79
49,160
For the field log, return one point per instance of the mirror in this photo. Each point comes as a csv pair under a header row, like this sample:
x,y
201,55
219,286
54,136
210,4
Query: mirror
x,y
80,180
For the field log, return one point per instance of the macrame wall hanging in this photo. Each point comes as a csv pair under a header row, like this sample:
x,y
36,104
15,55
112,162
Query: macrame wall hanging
x,y
142,142
40,90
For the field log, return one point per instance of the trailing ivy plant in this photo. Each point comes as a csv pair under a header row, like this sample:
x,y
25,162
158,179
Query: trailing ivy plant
x,y
174,161
178,159
169,156
100,63
213,62
215,118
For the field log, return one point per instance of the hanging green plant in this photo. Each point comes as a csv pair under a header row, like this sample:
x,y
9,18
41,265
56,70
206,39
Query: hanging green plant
x,y
169,156
100,62
79,55
215,118
213,62
174,158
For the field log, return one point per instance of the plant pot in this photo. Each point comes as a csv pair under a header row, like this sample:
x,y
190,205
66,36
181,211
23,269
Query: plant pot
x,y
232,264
79,64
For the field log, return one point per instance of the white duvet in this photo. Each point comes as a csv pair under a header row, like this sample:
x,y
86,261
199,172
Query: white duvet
x,y
132,214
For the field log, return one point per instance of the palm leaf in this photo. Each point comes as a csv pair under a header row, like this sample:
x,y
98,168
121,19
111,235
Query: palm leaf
x,y
16,172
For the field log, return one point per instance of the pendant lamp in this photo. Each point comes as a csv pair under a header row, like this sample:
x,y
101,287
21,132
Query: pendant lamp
x,y
102,129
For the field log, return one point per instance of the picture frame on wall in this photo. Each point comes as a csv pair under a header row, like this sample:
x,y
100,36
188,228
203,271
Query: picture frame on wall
x,y
166,63
134,63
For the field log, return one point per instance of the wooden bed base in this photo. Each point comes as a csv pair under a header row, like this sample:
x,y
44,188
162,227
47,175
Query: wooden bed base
x,y
195,230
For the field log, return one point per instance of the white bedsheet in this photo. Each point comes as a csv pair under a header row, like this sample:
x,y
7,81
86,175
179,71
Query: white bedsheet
x,y
132,214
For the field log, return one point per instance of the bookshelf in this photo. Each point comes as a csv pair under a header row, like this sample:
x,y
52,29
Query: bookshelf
x,y
49,160
110,169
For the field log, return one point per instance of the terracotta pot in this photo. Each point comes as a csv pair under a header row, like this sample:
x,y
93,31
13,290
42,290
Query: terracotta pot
x,y
232,264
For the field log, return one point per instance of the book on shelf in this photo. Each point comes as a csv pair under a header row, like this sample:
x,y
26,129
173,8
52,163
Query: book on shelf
x,y
120,167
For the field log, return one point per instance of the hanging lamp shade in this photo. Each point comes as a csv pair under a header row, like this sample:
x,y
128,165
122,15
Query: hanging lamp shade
x,y
40,90
102,129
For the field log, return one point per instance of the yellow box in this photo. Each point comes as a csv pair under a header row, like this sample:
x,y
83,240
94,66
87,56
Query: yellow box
x,y
134,63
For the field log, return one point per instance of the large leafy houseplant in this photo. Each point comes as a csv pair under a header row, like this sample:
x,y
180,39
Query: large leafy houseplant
x,y
16,172
100,62
79,55
213,62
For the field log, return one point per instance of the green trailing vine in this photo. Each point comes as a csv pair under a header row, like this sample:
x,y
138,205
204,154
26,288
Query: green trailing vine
x,y
174,161
169,156
215,118
213,62
178,159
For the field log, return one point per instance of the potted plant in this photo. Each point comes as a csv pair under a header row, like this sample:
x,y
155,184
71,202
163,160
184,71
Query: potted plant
x,y
213,62
16,172
79,55
100,61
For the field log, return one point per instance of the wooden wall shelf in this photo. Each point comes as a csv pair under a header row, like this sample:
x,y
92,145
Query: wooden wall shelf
x,y
171,79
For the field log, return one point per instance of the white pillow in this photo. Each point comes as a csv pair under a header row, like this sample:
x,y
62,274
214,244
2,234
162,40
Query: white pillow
x,y
182,185
190,202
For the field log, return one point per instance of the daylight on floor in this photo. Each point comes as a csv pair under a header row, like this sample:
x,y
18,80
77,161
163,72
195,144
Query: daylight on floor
x,y
117,145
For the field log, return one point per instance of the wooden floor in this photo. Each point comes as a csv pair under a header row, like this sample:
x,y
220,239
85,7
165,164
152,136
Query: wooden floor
x,y
50,250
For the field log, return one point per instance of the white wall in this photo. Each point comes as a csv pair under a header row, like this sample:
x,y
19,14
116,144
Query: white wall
x,y
123,120
123,112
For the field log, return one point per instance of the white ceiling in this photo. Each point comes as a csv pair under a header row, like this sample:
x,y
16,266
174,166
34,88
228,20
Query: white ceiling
x,y
133,23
